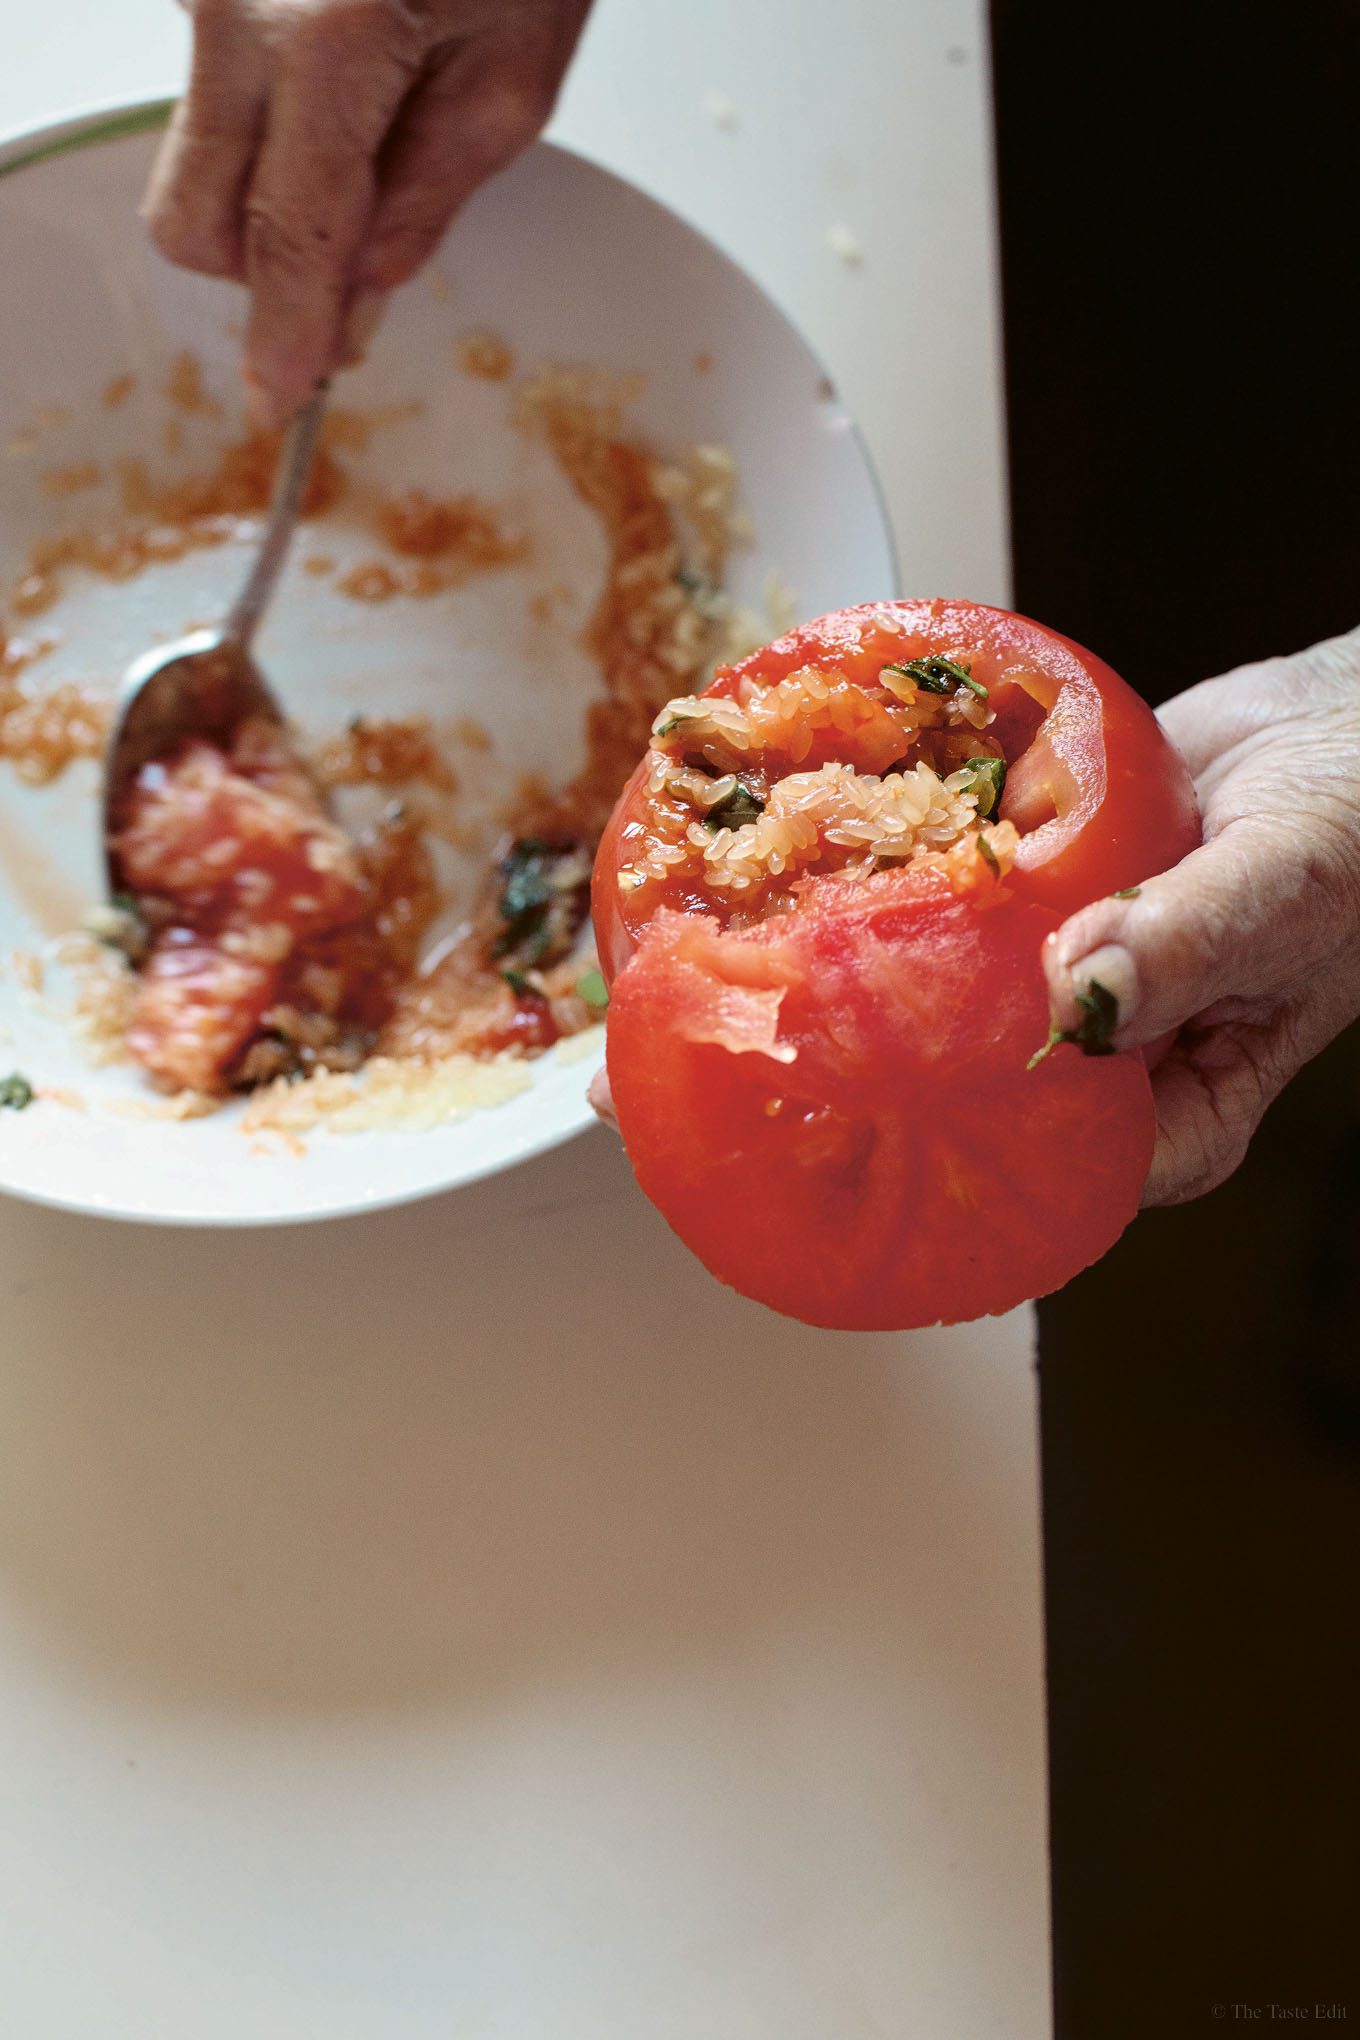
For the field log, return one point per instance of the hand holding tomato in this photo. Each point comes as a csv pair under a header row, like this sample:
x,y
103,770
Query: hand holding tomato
x,y
1237,967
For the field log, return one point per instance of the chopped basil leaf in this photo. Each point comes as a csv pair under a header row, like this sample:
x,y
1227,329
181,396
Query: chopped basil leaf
x,y
989,782
544,898
988,853
938,676
15,1092
525,871
1092,1033
120,925
1127,892
1099,1018
734,809
519,984
593,989
666,725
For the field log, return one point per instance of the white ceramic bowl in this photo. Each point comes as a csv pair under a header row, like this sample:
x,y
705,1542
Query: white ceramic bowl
x,y
567,263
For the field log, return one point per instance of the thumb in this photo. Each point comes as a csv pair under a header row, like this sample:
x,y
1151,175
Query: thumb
x,y
1238,920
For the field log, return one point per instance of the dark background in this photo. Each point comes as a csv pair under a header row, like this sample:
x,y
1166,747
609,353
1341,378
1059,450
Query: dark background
x,y
1180,234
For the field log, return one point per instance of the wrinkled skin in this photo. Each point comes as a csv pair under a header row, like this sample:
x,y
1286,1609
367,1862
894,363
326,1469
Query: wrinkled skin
x,y
323,147
1237,967
1240,965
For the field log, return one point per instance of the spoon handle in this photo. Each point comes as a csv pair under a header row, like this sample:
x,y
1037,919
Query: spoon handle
x,y
295,461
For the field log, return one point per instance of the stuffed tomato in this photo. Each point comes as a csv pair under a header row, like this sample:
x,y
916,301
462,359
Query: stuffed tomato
x,y
821,900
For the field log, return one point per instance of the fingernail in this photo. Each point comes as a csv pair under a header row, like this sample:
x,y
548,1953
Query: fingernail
x,y
1112,967
361,322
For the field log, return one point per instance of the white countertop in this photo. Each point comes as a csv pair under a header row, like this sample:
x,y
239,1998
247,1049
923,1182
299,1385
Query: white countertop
x,y
472,1621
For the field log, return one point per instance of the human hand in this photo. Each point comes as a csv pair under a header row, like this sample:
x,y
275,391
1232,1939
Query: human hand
x,y
323,146
1236,968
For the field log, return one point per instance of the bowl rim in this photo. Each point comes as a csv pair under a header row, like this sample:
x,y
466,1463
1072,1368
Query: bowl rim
x,y
115,120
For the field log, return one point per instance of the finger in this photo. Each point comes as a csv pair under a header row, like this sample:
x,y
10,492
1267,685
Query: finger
x,y
1208,724
340,79
601,1099
1239,920
472,115
193,203
362,317
1210,1093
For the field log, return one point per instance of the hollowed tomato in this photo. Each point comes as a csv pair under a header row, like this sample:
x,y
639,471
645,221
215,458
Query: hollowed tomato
x,y
1100,797
827,988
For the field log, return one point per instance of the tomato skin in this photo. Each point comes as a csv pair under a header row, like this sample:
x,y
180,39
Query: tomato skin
x,y
1100,794
833,1109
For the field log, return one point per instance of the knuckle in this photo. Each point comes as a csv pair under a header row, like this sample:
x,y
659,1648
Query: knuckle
x,y
511,113
318,30
280,245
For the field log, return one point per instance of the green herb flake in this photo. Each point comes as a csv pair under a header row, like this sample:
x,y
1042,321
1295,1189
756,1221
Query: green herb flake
x,y
524,870
938,676
519,984
16,1093
120,926
593,989
1128,892
734,809
989,783
544,895
1093,1032
989,855
666,725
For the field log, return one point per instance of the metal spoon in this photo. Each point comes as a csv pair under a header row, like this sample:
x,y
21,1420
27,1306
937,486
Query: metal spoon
x,y
207,684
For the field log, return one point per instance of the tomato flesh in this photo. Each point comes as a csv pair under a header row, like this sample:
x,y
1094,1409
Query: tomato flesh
x,y
237,863
833,1110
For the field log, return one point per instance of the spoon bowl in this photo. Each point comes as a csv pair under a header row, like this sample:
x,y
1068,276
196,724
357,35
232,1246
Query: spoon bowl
x,y
205,685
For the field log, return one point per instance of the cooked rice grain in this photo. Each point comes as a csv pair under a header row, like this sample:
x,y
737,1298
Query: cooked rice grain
x,y
387,1094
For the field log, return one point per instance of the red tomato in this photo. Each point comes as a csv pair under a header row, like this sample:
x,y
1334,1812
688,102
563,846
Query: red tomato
x,y
1101,798
833,1108
238,863
821,1069
197,1007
